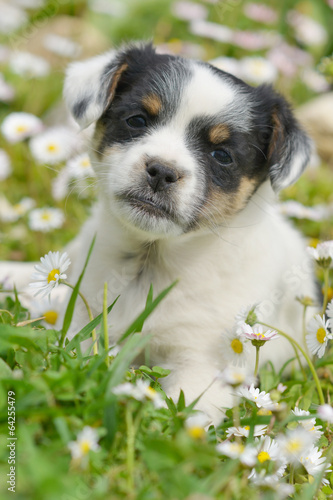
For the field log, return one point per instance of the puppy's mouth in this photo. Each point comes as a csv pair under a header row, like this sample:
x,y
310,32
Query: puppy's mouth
x,y
147,206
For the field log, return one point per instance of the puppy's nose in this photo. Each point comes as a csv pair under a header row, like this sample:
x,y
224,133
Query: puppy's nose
x,y
160,177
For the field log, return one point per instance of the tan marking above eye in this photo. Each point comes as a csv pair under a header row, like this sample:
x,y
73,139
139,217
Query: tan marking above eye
x,y
219,133
152,103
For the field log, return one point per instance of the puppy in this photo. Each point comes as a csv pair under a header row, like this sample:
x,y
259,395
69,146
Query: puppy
x,y
188,160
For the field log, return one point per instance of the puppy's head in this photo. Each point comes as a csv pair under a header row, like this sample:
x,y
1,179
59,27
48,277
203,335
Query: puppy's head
x,y
179,144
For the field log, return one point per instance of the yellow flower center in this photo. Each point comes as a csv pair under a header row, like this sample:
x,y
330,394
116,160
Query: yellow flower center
x,y
263,456
51,317
237,448
151,393
264,411
21,128
247,427
294,445
196,432
52,148
237,346
84,447
321,335
85,163
52,275
45,216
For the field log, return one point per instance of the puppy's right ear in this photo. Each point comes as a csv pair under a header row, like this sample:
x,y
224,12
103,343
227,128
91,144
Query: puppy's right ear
x,y
90,86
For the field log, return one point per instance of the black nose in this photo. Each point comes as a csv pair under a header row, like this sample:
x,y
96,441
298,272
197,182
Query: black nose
x,y
160,177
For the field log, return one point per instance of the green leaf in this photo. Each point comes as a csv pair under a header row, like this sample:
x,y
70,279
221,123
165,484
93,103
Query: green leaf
x,y
144,315
86,330
71,304
181,401
149,301
5,371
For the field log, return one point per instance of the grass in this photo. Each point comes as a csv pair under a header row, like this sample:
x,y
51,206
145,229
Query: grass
x,y
146,453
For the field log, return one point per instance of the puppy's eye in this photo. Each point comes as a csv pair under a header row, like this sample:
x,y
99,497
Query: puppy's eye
x,y
222,157
136,121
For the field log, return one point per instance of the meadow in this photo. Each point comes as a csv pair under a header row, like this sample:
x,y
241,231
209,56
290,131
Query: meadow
x,y
77,425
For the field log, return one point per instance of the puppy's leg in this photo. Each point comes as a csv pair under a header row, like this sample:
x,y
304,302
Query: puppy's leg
x,y
200,380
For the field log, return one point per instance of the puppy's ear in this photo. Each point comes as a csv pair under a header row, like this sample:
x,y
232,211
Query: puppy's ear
x,y
286,145
90,86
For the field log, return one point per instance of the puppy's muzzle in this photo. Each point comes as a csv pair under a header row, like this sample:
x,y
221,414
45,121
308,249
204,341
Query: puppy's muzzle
x,y
160,177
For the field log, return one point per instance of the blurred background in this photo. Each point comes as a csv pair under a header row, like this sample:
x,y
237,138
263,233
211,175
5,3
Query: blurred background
x,y
47,185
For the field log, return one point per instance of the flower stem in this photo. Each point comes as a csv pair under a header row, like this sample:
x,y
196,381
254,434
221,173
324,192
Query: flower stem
x,y
130,447
257,361
304,326
326,286
91,317
291,475
105,323
308,360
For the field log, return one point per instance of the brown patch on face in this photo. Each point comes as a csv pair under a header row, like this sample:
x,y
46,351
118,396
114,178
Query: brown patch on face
x,y
220,206
277,135
115,80
219,133
152,103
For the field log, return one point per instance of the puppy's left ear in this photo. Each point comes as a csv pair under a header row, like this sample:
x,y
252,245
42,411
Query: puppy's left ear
x,y
90,86
286,145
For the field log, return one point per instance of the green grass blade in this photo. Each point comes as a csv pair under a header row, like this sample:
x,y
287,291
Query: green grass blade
x,y
71,304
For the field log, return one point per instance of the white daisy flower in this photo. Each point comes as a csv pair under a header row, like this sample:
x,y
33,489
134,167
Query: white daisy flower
x,y
234,376
87,440
49,273
246,454
125,389
23,206
195,425
12,18
7,92
307,30
281,388
309,425
189,11
323,253
53,146
5,166
80,167
295,443
144,389
259,430
216,31
295,209
261,399
61,46
247,314
267,449
260,13
325,412
28,65
318,335
272,481
50,309
329,313
234,349
315,463
11,213
45,219
258,70
18,126
256,332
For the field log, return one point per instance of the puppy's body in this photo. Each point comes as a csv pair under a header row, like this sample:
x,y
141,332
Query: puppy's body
x,y
187,159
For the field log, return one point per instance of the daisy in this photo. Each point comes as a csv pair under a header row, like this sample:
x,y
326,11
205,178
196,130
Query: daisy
x,y
247,315
246,454
87,440
267,449
48,308
259,430
61,46
329,313
28,65
5,166
80,167
281,388
261,399
216,31
143,388
309,425
315,463
189,11
12,18
318,335
272,481
325,412
125,389
45,219
234,377
18,126
256,333
50,272
52,146
258,70
307,31
234,349
195,425
323,253
7,212
260,13
295,443
23,206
